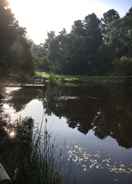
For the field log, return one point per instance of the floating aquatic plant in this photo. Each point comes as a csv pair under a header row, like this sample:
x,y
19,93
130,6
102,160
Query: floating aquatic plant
x,y
88,161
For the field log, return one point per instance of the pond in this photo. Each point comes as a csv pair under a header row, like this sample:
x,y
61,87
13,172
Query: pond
x,y
91,126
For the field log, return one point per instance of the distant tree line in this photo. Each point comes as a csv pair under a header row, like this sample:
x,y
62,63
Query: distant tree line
x,y
15,53
94,47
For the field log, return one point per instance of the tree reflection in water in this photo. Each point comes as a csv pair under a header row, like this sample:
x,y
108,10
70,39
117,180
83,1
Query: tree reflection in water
x,y
19,152
105,110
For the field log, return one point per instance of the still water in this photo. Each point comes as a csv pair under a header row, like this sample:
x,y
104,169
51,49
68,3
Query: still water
x,y
91,125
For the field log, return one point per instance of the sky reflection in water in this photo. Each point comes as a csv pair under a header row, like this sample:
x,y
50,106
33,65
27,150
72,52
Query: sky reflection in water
x,y
93,130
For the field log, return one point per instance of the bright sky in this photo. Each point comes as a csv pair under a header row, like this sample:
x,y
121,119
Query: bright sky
x,y
42,16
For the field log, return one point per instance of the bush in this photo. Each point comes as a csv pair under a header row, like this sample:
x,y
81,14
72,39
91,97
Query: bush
x,y
123,65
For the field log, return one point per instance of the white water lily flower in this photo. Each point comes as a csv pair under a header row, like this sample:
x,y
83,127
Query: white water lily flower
x,y
75,159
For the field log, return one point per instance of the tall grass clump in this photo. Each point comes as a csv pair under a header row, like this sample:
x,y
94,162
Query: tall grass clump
x,y
44,160
37,161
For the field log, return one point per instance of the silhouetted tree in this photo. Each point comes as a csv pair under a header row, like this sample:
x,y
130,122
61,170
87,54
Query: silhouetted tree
x,y
13,43
92,47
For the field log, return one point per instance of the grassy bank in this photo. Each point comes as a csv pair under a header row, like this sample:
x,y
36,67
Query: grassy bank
x,y
83,78
67,78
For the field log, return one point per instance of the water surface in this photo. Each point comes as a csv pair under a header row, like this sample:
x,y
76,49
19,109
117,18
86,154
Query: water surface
x,y
92,125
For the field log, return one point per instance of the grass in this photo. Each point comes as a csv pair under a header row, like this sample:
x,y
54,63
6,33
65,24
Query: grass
x,y
30,156
44,160
55,78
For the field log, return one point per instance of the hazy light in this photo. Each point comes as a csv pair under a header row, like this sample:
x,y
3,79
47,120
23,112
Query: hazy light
x,y
41,16
12,134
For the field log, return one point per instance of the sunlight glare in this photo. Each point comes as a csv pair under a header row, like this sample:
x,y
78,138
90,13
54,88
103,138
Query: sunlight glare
x,y
12,134
40,17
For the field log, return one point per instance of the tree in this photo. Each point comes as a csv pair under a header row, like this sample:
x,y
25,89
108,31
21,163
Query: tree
x,y
74,53
126,35
40,58
109,24
78,28
11,36
92,46
21,57
7,32
93,41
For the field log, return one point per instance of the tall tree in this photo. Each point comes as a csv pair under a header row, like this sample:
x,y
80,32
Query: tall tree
x,y
12,35
109,25
93,41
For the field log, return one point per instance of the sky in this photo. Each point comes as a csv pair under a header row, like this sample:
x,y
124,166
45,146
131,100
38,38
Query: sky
x,y
42,16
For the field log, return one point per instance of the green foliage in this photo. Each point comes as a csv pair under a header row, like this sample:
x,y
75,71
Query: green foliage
x,y
90,48
123,65
15,55
41,64
109,27
118,33
74,53
52,79
40,59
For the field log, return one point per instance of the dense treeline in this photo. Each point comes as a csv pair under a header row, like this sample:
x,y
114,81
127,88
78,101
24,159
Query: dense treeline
x,y
15,53
94,46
